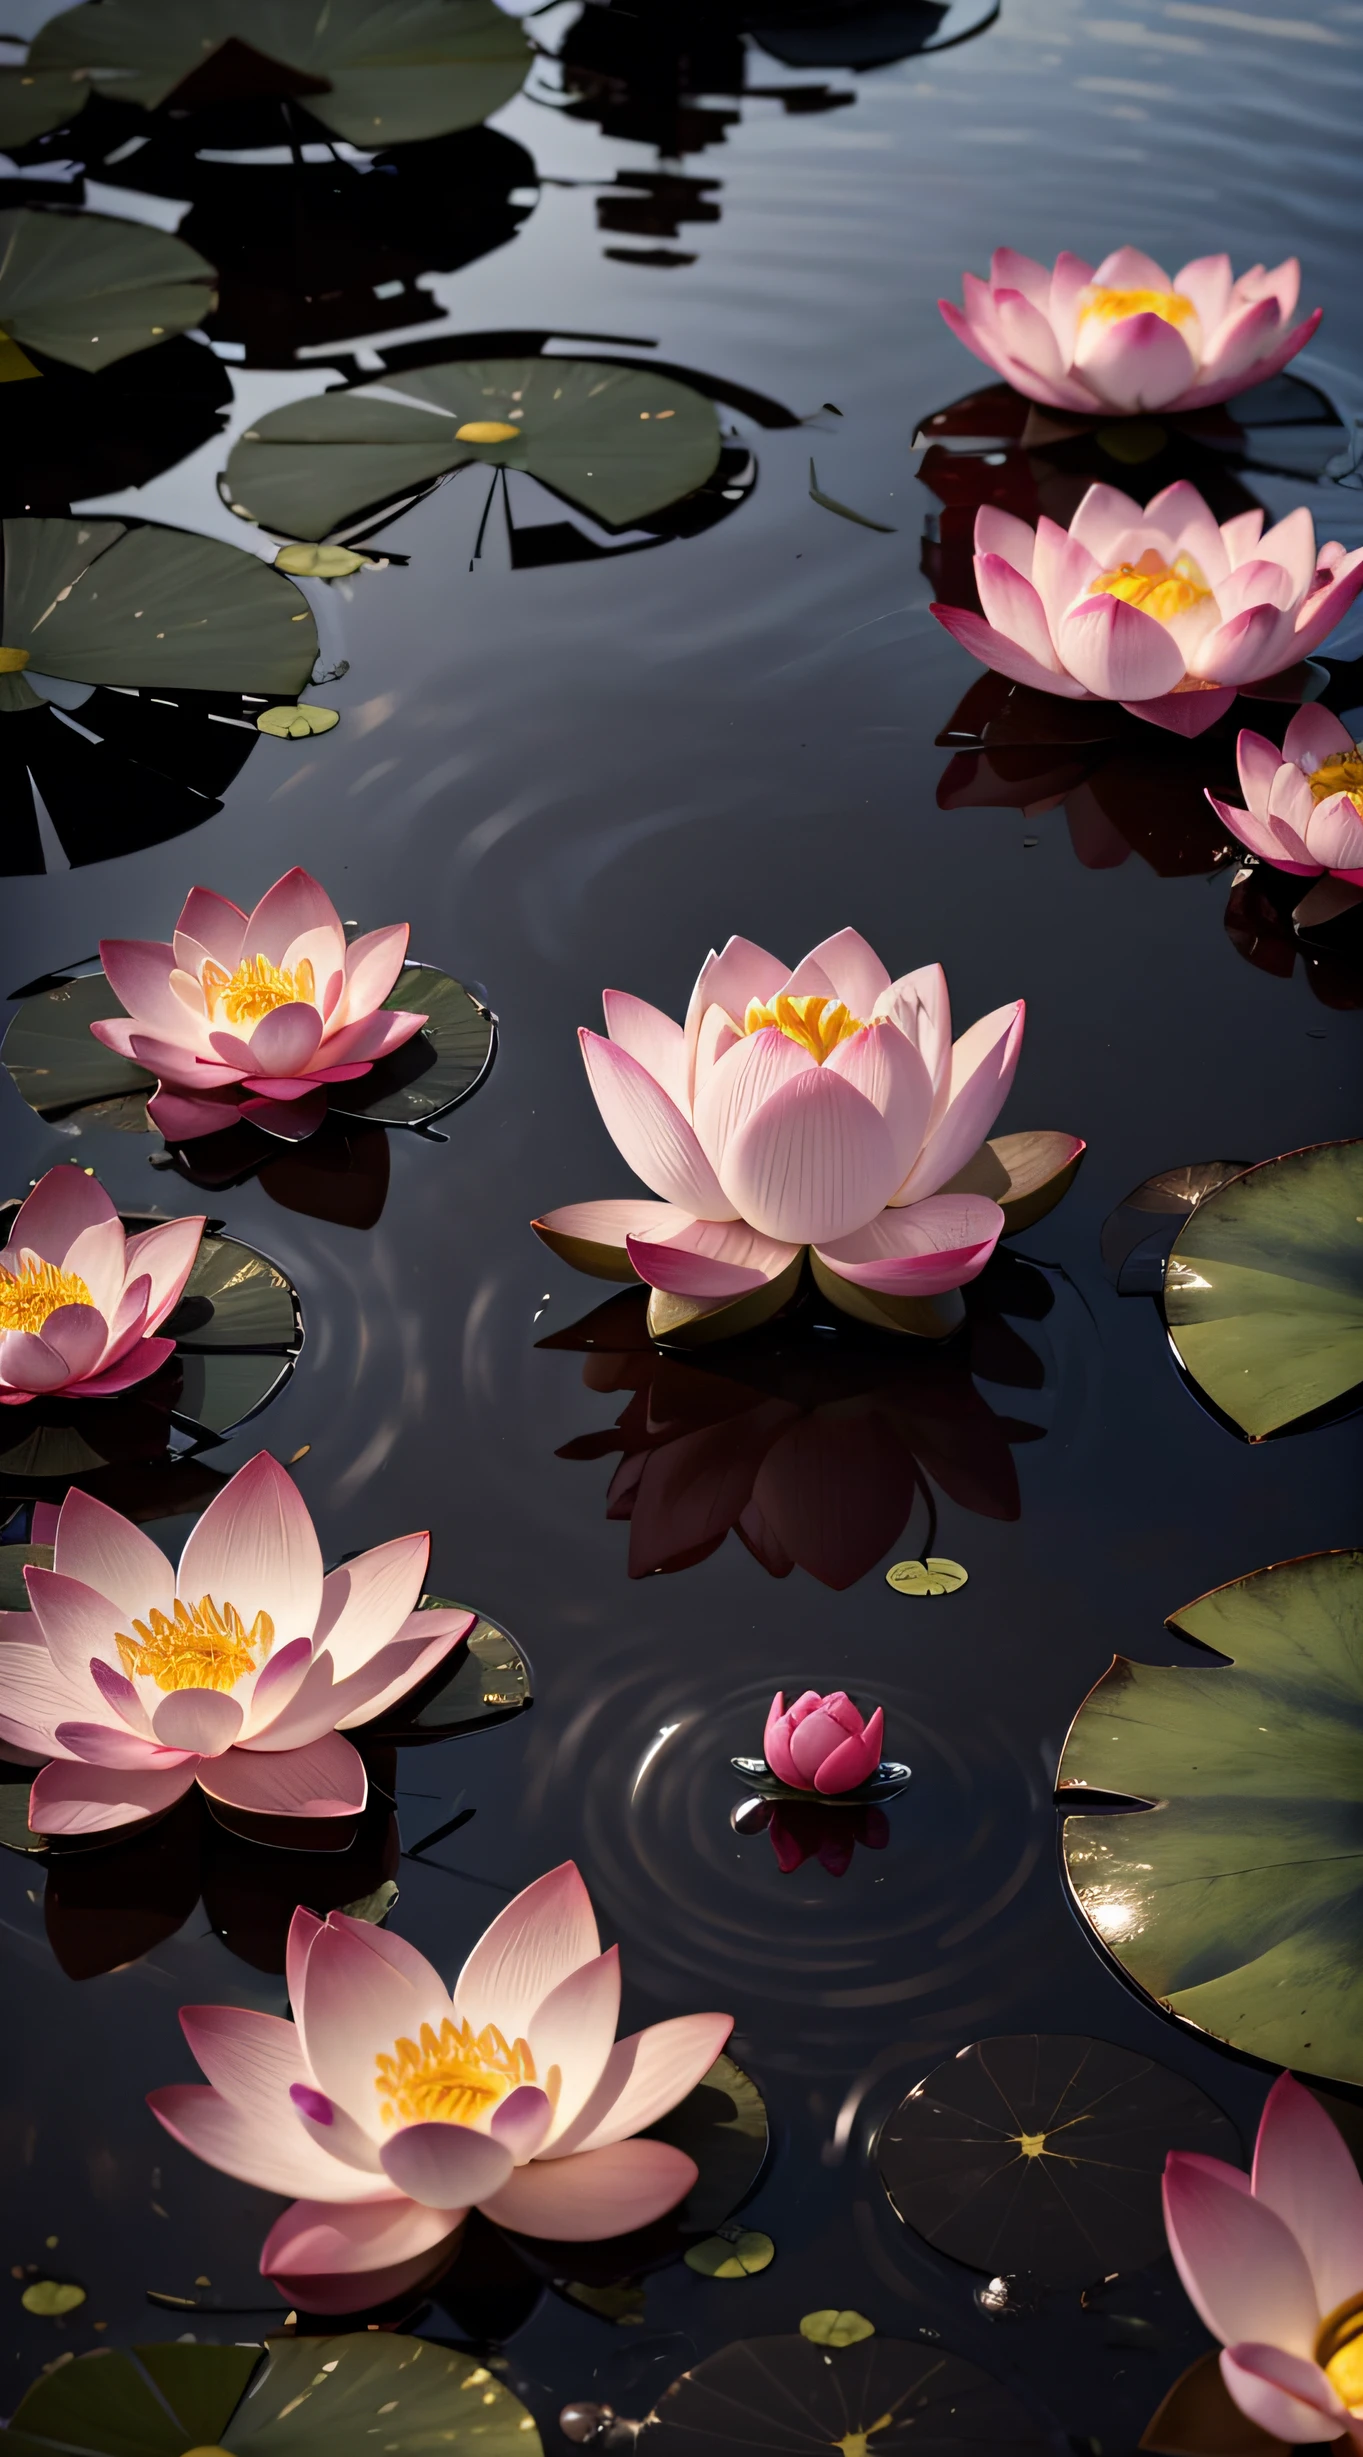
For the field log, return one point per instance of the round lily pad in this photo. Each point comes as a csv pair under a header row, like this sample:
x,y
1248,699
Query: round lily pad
x,y
834,2328
739,2254
52,2298
311,2396
1137,1236
1042,2156
935,1576
486,1680
63,274
1234,1893
448,1059
297,724
621,443
722,2125
886,1783
875,2399
1263,1293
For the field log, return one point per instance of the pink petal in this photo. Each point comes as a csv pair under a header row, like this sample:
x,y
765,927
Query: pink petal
x,y
1028,338
1241,535
331,2258
63,1205
920,1249
1244,340
129,1323
1334,835
983,1064
372,965
740,972
650,1132
112,1744
1129,268
1138,364
285,1041
1258,763
79,1335
180,1117
213,923
545,1933
275,1685
176,1063
366,1601
34,1696
919,1007
1070,278
105,1551
1271,839
1004,655
205,1721
522,2121
1318,617
889,1072
332,2129
28,1364
813,1163
572,2032
711,1258
854,969
653,1038
1245,2274
138,972
1013,608
1009,269
68,1798
1284,2394
1304,2173
76,1622
424,1640
1117,652
444,2166
1242,650
346,1054
735,1087
613,1222
1061,571
776,1739
251,2059
355,2005
1207,282
324,1779
1103,519
594,2194
813,1740
645,2077
292,1120
142,1360
1290,804
304,1928
255,1547
255,2145
1314,735
1183,712
295,904
1183,518
1291,542
973,335
855,1761
1001,533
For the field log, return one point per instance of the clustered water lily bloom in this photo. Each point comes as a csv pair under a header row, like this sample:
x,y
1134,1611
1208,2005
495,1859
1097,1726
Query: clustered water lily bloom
x,y
81,1302
824,1107
822,1744
1125,338
391,2107
1305,810
1159,609
253,1015
1273,2263
242,1674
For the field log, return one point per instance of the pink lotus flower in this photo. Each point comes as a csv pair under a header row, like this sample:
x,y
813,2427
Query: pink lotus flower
x,y
822,1744
1306,802
254,1015
391,2107
80,1302
1125,338
1273,2263
824,1107
1159,609
242,1675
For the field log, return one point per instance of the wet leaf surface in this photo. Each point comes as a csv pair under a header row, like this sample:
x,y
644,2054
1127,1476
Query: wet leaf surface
x,y
58,276
785,2395
740,2254
446,1061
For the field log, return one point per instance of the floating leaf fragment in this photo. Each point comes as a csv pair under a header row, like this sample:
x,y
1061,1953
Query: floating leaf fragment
x,y
844,511
836,2328
740,2255
51,2297
935,1576
296,724
308,562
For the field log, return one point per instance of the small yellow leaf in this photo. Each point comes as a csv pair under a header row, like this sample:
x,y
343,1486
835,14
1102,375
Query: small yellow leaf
x,y
738,2256
486,431
319,562
836,2328
935,1576
49,2299
295,724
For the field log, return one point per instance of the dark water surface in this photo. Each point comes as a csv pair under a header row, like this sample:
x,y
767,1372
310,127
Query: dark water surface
x,y
584,773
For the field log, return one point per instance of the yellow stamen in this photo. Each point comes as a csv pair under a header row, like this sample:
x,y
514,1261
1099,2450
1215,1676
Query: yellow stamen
x,y
205,1646
815,1024
486,431
36,1290
1161,589
1339,2350
1030,2144
1110,305
450,2080
256,988
1341,773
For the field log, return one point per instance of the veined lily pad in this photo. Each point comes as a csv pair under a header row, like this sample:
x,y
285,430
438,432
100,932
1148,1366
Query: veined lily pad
x,y
1263,1292
62,274
1235,1898
376,72
874,2399
296,2397
618,442
93,601
1044,2156
833,2328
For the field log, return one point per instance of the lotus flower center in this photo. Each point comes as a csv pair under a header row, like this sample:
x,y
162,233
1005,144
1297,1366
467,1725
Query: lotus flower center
x,y
1343,773
453,2079
1339,2351
815,1024
1161,589
1110,306
256,988
35,1290
205,1646
486,431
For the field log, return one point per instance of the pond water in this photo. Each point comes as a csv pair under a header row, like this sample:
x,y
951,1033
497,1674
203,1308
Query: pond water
x,y
583,762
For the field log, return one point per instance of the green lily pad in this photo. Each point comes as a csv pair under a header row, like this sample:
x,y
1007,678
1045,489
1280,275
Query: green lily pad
x,y
1263,1293
1235,1898
63,274
722,2125
486,1681
618,442
935,1576
1043,2156
448,1059
834,2328
298,2397
94,601
374,73
740,2254
52,2298
876,2399
55,1060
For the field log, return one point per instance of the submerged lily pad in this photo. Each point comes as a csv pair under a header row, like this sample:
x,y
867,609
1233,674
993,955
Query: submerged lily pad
x,y
62,273
618,442
875,2399
889,1779
1044,2156
308,2396
1263,1292
1235,1896
94,601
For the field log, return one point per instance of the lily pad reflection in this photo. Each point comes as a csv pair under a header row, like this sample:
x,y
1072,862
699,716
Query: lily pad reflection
x,y
870,2400
1231,1889
117,773
1043,2156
